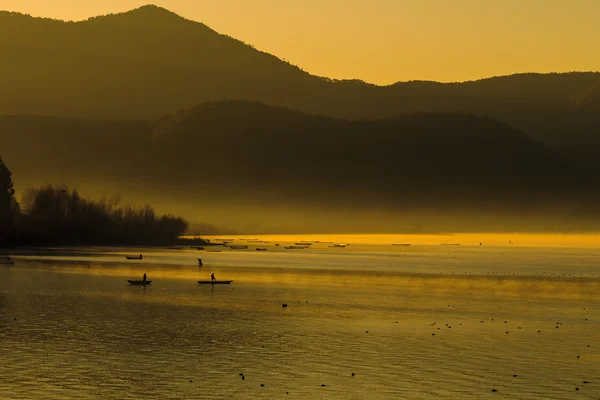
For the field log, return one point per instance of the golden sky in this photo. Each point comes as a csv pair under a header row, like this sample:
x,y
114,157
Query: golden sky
x,y
384,41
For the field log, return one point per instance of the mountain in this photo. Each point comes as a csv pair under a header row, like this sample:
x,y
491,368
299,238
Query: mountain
x,y
150,62
144,63
231,156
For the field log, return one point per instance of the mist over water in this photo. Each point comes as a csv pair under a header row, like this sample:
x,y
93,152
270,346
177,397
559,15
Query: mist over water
x,y
437,318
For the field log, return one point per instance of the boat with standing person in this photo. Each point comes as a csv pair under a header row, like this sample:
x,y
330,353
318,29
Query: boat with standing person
x,y
143,282
214,281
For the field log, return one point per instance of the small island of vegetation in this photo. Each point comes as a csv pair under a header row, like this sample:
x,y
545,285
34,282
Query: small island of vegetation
x,y
57,215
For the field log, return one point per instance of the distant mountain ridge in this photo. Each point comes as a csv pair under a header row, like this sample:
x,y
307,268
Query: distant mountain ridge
x,y
249,154
247,144
150,62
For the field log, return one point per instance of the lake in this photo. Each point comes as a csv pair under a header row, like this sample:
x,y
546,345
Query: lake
x,y
444,317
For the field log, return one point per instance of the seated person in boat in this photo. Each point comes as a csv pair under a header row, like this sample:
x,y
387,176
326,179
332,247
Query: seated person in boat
x,y
144,279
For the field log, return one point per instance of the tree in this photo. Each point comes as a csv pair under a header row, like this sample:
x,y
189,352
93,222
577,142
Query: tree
x,y
8,204
58,215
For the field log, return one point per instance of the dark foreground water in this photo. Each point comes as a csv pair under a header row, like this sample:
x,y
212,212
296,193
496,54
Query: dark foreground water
x,y
418,322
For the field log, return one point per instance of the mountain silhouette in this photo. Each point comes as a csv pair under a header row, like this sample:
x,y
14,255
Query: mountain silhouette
x,y
250,152
159,107
150,62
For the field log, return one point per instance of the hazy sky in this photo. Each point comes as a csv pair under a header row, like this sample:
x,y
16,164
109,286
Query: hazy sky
x,y
383,41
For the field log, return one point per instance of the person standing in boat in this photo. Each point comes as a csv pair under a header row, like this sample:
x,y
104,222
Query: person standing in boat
x,y
212,277
144,279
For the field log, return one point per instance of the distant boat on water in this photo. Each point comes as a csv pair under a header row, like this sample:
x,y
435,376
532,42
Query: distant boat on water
x,y
214,282
339,245
261,249
450,244
304,243
296,247
238,247
140,283
400,244
134,257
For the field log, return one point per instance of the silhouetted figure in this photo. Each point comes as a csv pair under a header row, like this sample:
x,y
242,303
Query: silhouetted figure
x,y
140,256
144,278
200,262
212,277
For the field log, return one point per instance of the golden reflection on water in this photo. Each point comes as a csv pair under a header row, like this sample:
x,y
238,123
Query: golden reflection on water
x,y
468,239
75,329
415,284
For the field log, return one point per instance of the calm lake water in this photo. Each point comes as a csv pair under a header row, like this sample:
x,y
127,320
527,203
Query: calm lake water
x,y
411,322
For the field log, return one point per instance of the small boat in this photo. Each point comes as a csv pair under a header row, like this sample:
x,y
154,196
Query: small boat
x,y
296,247
339,245
261,249
400,244
450,244
238,247
304,243
214,282
140,283
134,257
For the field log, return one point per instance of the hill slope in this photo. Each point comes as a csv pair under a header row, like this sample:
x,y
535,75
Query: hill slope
x,y
150,62
248,156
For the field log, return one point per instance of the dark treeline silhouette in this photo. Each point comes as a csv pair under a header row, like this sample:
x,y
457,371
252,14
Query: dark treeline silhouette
x,y
55,215
167,63
8,205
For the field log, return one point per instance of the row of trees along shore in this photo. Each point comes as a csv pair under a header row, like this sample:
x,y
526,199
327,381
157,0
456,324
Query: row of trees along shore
x,y
56,215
